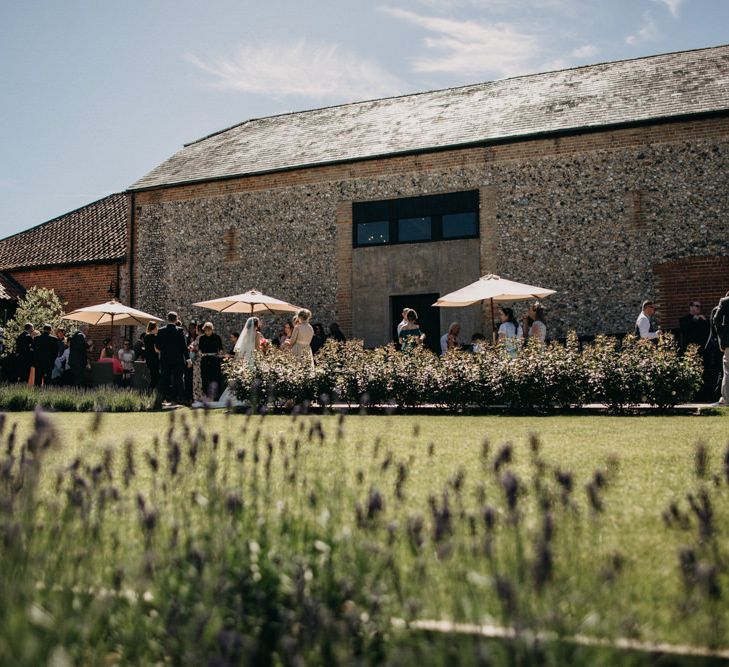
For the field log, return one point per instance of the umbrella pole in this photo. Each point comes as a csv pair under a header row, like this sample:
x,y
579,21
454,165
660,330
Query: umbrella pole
x,y
493,332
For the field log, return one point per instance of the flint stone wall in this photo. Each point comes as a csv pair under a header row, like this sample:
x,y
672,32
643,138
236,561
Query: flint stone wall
x,y
591,224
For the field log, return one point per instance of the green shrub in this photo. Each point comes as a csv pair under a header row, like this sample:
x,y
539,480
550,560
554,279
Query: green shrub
x,y
672,379
539,378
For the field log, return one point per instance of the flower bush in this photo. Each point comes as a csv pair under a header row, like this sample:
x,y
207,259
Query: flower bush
x,y
539,378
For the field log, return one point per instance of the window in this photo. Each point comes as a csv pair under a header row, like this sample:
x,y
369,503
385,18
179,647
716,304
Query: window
x,y
373,233
416,219
414,229
460,225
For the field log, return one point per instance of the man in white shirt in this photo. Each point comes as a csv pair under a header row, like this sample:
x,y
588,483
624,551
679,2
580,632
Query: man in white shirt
x,y
643,327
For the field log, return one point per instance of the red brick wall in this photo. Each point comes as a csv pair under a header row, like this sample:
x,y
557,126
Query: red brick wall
x,y
683,280
77,286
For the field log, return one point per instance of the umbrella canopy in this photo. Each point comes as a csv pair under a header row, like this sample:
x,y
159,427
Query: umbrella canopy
x,y
250,302
112,313
494,288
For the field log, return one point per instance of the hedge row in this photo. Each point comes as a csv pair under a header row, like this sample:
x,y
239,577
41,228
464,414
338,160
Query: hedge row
x,y
539,378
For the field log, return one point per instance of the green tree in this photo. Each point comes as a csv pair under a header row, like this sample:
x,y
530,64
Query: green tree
x,y
39,306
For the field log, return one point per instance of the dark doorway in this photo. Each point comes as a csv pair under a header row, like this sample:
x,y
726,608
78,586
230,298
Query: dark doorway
x,y
428,317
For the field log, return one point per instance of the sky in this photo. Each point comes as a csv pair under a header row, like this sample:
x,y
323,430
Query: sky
x,y
96,93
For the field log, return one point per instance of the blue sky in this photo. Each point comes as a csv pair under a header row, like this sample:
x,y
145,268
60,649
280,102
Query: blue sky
x,y
96,93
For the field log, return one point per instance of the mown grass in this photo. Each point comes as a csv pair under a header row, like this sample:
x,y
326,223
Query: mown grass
x,y
615,566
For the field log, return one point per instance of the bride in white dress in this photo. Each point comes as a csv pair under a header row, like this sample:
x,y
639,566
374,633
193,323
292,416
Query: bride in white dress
x,y
244,350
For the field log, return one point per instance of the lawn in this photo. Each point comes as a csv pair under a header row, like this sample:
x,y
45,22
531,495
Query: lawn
x,y
411,517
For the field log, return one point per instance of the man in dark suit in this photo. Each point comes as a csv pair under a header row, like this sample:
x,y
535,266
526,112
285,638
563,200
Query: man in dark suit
x,y
45,351
173,354
694,327
77,355
24,352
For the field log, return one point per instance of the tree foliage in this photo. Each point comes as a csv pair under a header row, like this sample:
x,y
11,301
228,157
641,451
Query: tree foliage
x,y
39,306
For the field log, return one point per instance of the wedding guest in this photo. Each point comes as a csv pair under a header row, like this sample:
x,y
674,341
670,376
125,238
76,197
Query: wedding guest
x,y
45,351
695,328
644,326
410,335
336,333
285,334
107,352
151,356
232,340
31,378
126,358
61,370
61,338
404,321
139,348
78,355
537,328
317,342
301,336
193,331
210,347
449,340
173,357
24,352
510,333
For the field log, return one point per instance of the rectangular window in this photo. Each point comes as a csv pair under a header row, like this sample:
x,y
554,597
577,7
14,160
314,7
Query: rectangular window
x,y
460,225
414,229
373,233
453,215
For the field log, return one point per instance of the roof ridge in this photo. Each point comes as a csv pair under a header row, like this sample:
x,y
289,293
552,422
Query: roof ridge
x,y
453,88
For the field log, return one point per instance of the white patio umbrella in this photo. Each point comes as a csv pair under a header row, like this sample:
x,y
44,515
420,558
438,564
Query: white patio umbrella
x,y
112,313
492,288
249,302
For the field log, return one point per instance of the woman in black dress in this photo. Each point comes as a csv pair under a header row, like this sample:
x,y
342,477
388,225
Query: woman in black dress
x,y
150,354
210,346
319,338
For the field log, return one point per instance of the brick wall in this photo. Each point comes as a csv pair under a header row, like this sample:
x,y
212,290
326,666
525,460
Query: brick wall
x,y
679,282
77,286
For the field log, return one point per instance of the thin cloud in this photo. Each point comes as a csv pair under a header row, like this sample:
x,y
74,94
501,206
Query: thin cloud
x,y
471,48
648,32
316,71
673,6
584,51
500,5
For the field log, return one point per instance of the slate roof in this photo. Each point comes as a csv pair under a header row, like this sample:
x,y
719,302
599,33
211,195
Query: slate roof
x,y
624,92
93,233
9,289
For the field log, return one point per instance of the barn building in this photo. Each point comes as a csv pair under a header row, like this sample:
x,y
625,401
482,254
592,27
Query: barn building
x,y
607,183
81,255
